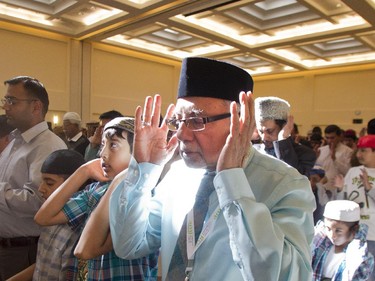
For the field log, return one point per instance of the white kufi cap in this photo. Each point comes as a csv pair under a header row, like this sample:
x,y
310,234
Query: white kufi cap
x,y
73,117
271,108
342,210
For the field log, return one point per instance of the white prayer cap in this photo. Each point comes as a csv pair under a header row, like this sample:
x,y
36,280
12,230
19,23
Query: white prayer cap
x,y
342,210
271,108
73,117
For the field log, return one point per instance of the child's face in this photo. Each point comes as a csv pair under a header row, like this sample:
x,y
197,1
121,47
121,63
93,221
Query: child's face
x,y
338,232
115,155
50,182
366,156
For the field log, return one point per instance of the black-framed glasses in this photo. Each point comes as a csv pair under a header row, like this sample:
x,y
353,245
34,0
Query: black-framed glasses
x,y
194,123
12,100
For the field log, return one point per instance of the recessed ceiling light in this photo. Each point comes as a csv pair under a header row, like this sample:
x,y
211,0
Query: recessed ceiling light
x,y
24,14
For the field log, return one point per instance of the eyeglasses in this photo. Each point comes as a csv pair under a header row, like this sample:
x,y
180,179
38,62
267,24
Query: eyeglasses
x,y
12,101
194,123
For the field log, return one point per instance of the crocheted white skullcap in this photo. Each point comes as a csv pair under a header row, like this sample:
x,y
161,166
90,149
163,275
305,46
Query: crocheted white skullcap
x,y
73,117
342,210
271,108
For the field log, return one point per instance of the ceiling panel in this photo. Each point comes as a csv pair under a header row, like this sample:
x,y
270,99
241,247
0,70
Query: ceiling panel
x,y
262,36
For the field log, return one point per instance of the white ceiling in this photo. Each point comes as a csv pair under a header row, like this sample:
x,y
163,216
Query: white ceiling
x,y
262,36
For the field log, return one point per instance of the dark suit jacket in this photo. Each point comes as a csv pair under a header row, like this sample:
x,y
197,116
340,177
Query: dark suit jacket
x,y
79,145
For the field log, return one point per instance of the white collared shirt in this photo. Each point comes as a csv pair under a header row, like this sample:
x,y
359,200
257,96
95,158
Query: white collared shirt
x,y
20,177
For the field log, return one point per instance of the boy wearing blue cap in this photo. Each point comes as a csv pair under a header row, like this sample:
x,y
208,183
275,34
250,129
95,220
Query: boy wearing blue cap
x,y
317,179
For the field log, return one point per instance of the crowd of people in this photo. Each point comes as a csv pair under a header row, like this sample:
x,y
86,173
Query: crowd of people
x,y
222,188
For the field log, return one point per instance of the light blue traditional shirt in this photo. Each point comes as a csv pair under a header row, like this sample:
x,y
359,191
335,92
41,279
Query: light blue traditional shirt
x,y
263,232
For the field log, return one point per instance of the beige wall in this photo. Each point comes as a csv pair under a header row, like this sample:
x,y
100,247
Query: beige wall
x,y
91,78
84,77
45,59
121,82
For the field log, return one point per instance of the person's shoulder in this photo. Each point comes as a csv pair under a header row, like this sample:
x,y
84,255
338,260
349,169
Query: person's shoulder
x,y
55,140
267,164
272,179
83,137
354,170
343,147
48,141
306,150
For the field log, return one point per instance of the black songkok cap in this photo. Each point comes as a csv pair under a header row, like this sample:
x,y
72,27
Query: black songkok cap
x,y
202,77
62,162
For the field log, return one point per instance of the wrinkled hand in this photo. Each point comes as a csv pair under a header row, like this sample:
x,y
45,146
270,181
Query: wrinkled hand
x,y
150,139
237,147
365,180
338,182
287,129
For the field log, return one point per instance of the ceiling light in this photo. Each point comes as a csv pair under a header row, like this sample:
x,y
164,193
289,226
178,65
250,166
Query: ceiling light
x,y
209,24
288,68
170,31
24,14
285,54
100,15
260,70
354,58
139,43
140,2
372,3
344,22
340,60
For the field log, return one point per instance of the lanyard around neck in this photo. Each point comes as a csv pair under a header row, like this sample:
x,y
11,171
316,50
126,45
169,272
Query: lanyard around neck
x,y
191,245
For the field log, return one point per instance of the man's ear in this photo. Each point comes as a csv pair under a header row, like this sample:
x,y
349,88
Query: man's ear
x,y
38,106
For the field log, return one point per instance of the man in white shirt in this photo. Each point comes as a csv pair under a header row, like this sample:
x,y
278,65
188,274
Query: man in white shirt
x,y
25,104
334,157
5,130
